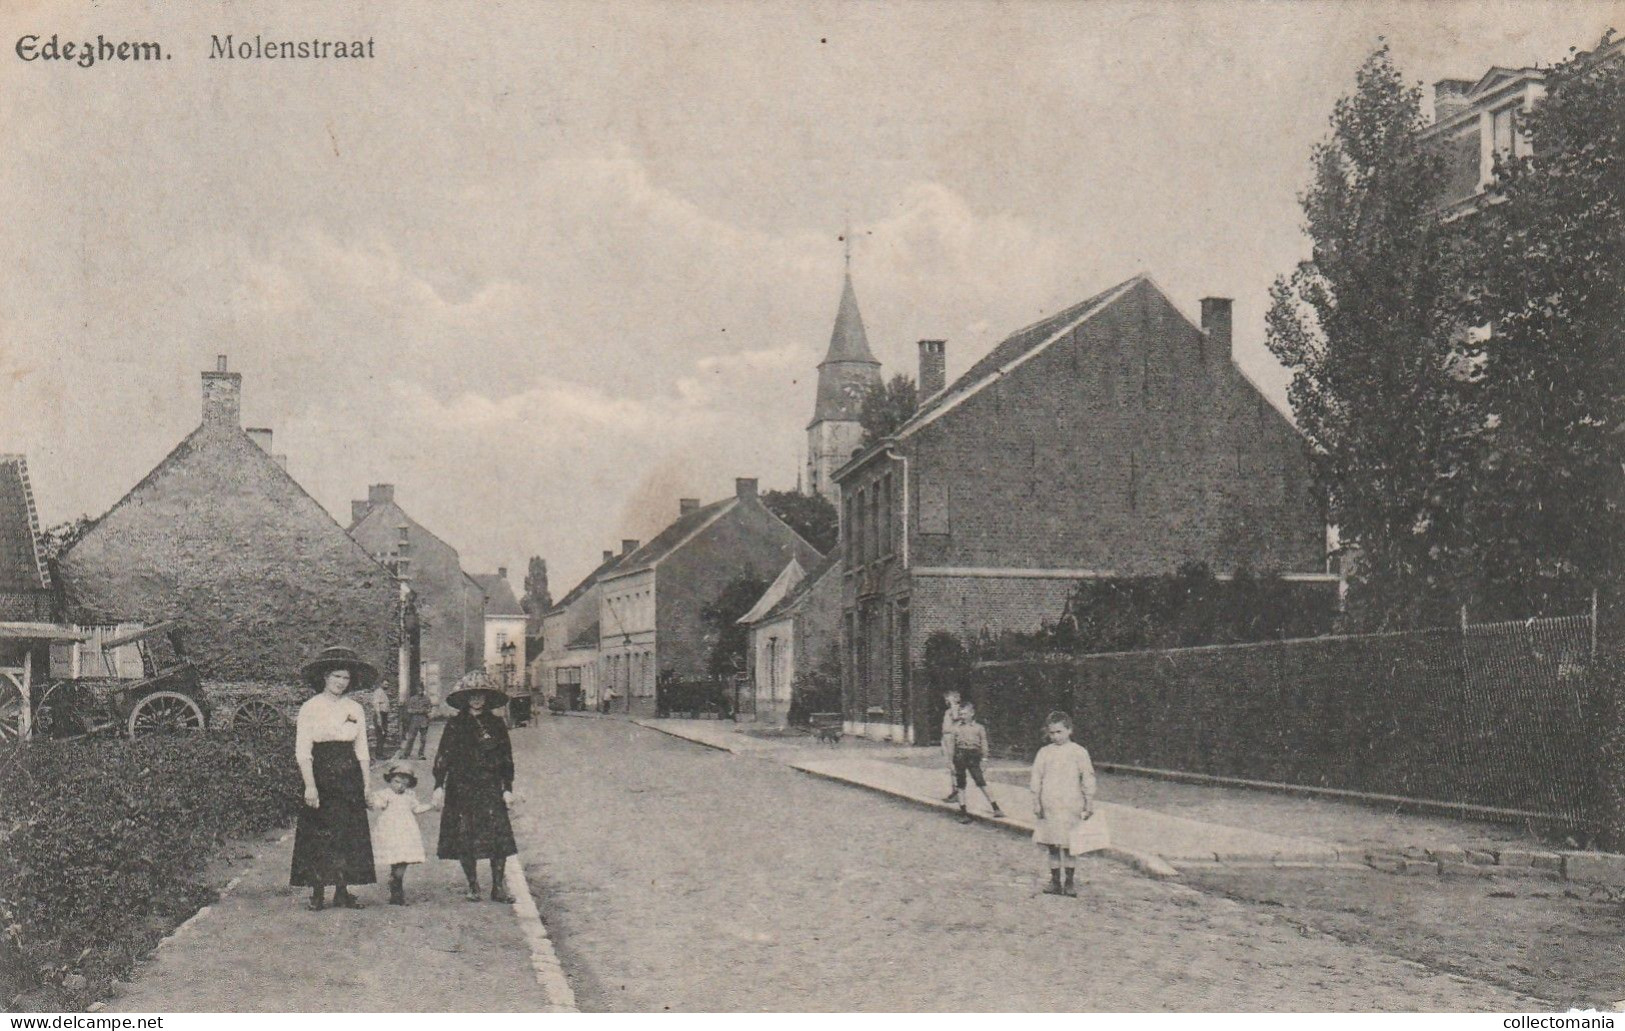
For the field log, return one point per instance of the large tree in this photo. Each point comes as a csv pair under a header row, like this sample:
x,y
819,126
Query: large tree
x,y
1549,257
538,598
1382,381
810,515
721,621
887,406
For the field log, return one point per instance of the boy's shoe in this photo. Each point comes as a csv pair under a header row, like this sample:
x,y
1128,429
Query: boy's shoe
x,y
952,797
1070,891
998,812
1054,889
964,815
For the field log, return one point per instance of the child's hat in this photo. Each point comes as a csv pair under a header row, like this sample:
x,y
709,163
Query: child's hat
x,y
400,768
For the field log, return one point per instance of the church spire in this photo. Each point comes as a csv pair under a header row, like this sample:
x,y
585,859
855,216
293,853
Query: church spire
x,y
849,342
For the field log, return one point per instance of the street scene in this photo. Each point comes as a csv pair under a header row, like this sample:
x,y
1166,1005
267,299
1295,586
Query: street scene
x,y
866,508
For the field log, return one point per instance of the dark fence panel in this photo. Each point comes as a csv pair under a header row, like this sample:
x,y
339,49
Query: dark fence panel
x,y
1494,716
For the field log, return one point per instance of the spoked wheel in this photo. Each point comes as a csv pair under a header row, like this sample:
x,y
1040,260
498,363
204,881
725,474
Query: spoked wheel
x,y
258,717
11,714
165,712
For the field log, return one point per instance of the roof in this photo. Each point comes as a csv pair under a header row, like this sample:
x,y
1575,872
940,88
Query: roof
x,y
22,561
848,366
585,585
587,638
499,596
782,584
672,537
792,599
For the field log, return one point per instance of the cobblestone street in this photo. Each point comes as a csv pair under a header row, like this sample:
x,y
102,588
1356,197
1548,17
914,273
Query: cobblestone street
x,y
679,877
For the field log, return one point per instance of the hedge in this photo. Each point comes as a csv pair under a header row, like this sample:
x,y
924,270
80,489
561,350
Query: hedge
x,y
103,847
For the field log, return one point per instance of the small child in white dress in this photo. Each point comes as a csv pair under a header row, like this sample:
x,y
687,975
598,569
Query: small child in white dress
x,y
1063,784
397,840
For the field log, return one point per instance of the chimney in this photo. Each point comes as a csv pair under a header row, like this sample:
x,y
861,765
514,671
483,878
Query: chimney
x,y
607,555
222,396
261,436
1450,98
502,572
745,486
1216,322
933,367
380,494
628,545
687,505
358,511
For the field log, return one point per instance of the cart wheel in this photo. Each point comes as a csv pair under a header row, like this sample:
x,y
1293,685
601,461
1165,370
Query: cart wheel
x,y
165,712
257,717
11,714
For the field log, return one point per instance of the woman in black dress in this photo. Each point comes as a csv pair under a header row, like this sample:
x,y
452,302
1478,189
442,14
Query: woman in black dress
x,y
473,779
331,843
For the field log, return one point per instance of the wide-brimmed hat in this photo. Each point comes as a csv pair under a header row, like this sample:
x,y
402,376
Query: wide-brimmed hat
x,y
473,683
362,673
400,768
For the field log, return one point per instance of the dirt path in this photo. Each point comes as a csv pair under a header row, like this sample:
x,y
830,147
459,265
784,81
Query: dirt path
x,y
260,950
678,877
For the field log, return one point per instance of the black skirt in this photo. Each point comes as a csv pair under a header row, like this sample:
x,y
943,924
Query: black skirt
x,y
474,823
331,843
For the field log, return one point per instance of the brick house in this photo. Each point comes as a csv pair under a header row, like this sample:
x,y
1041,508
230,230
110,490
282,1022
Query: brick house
x,y
792,631
1114,438
451,607
219,536
567,668
650,603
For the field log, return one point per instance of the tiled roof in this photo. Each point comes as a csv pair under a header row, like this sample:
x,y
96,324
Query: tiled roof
x,y
587,638
849,367
667,540
586,584
793,597
499,597
782,584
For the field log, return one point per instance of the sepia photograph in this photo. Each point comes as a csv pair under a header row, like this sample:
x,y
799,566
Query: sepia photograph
x,y
738,506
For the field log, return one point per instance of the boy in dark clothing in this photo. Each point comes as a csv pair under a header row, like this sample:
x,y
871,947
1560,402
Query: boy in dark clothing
x,y
415,724
970,748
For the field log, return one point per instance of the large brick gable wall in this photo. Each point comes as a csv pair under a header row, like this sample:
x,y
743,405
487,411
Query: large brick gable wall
x,y
1130,446
747,538
223,538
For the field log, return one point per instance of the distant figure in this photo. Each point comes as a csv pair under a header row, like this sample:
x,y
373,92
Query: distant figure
x,y
473,779
331,842
950,720
970,748
415,724
1063,784
399,842
380,712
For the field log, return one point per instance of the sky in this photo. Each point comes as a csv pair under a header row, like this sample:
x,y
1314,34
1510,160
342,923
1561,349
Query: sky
x,y
549,267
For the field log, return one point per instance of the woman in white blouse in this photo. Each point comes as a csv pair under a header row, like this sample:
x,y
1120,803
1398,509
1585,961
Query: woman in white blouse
x,y
331,843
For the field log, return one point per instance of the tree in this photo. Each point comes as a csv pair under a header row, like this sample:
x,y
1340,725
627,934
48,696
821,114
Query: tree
x,y
538,599
1550,282
721,621
887,406
810,515
57,539
1383,386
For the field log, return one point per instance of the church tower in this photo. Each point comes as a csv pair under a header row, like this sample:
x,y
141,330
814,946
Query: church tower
x,y
844,376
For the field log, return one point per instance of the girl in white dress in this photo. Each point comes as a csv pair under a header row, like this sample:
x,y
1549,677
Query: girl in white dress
x,y
1063,785
397,839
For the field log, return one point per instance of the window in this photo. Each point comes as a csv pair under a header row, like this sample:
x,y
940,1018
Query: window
x,y
885,516
874,522
857,530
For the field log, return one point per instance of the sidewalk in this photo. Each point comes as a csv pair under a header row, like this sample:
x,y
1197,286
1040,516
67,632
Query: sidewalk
x,y
258,949
1148,840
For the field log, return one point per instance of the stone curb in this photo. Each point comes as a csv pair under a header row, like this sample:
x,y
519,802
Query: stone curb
x,y
1449,861
543,959
1147,863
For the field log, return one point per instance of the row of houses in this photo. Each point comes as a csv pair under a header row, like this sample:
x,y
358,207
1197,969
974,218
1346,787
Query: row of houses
x,y
220,538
